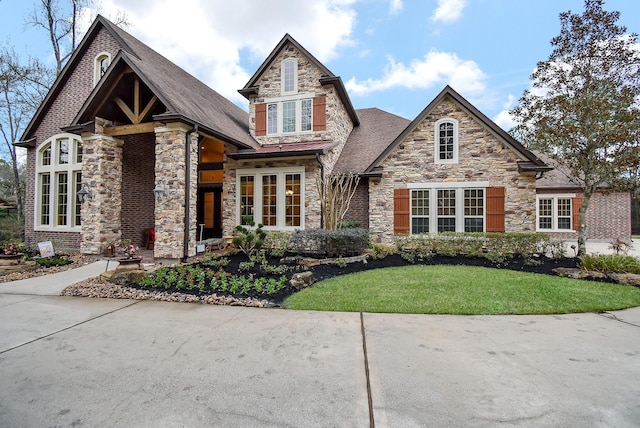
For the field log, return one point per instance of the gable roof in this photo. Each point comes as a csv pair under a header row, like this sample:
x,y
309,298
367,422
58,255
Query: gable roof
x,y
185,97
529,161
328,78
367,141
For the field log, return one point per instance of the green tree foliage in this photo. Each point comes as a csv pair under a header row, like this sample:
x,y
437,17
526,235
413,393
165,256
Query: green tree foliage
x,y
583,108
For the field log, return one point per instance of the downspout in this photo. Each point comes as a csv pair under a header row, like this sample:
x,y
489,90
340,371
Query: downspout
x,y
322,182
187,193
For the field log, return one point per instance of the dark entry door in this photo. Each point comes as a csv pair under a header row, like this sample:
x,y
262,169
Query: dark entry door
x,y
209,213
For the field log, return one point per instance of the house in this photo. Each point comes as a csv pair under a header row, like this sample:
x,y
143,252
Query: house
x,y
126,142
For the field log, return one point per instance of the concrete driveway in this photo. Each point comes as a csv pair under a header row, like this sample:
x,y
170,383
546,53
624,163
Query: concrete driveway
x,y
88,362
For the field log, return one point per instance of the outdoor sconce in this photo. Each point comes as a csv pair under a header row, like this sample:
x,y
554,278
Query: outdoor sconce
x,y
161,191
84,194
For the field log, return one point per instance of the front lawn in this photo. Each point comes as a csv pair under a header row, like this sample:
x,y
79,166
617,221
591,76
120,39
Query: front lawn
x,y
464,290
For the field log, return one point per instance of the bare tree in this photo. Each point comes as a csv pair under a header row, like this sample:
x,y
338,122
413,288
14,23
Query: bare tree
x,y
584,108
336,192
22,88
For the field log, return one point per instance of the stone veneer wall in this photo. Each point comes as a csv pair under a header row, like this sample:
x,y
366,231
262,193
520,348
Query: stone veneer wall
x,y
482,157
170,210
102,172
339,125
311,197
608,216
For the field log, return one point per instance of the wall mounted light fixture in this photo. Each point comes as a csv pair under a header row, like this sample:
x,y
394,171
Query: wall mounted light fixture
x,y
84,194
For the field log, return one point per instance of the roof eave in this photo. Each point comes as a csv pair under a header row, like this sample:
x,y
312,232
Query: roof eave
x,y
252,154
26,144
531,167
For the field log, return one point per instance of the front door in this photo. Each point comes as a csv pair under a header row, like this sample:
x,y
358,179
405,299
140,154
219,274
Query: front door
x,y
209,213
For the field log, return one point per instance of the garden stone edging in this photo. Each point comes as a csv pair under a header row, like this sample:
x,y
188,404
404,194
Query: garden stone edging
x,y
577,273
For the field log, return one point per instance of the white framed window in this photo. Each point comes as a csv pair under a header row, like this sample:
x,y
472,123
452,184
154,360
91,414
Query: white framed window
x,y
102,62
448,207
58,179
289,76
446,141
271,196
289,115
554,213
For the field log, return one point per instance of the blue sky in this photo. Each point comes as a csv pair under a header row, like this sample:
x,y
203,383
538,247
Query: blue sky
x,y
392,54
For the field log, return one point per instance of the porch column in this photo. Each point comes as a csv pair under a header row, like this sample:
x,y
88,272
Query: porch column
x,y
170,175
102,173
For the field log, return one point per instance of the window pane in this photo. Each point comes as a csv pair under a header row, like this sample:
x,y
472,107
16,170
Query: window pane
x,y
292,200
76,203
63,188
564,207
446,141
269,200
446,202
446,225
564,223
45,193
78,151
46,156
473,225
272,119
246,197
420,225
104,64
289,116
63,151
420,202
544,223
545,207
305,124
474,202
289,76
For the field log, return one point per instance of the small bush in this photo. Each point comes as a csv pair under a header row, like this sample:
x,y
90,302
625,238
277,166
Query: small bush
x,y
330,243
277,243
249,240
214,260
380,251
52,261
610,263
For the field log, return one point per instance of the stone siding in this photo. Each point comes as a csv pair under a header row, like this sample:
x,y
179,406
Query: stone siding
x,y
482,157
170,210
102,172
339,125
66,103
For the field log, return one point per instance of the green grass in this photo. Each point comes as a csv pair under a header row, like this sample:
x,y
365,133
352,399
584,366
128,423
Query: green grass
x,y
461,290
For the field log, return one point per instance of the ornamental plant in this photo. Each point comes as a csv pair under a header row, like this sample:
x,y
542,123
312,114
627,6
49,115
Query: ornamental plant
x,y
130,251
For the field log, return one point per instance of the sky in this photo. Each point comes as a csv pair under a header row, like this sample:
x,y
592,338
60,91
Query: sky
x,y
396,55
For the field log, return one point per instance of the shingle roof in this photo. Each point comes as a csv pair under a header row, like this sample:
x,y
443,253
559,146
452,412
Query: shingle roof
x,y
367,141
558,178
183,95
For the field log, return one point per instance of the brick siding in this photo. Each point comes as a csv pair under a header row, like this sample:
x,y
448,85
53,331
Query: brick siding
x,y
359,207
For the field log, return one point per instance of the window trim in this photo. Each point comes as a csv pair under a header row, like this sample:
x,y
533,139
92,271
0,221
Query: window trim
x,y
97,75
281,173
53,169
554,211
436,141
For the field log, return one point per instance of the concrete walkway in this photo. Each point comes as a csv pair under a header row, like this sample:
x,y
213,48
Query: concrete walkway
x,y
68,361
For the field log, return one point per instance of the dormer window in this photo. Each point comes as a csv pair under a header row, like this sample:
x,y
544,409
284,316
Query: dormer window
x,y
446,141
289,76
102,62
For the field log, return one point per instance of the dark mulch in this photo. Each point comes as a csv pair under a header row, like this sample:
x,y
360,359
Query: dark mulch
x,y
324,271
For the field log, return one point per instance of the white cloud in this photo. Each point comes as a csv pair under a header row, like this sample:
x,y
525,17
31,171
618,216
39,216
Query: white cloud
x,y
436,68
205,37
504,118
395,7
448,10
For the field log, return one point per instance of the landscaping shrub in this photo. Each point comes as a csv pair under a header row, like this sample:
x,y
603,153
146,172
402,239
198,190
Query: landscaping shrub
x,y
610,263
277,243
249,240
496,247
380,251
52,261
330,243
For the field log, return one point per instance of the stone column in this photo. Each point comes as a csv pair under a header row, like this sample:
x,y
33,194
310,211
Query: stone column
x,y
170,174
102,173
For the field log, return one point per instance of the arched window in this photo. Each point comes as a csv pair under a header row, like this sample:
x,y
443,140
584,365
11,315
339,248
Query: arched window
x,y
101,64
289,73
446,141
58,179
